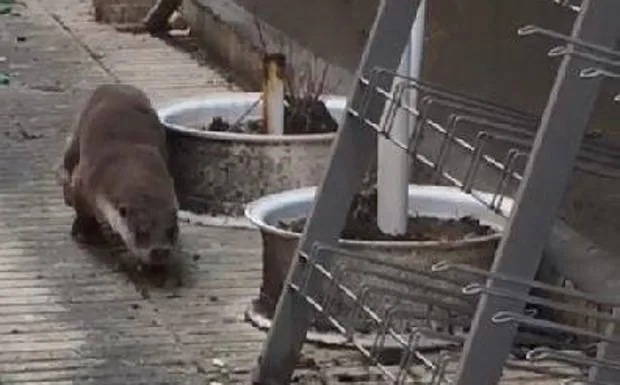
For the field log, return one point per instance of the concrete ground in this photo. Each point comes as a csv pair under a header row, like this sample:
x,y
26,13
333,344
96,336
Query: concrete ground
x,y
69,315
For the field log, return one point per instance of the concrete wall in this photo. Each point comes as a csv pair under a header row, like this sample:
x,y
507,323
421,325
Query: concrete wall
x,y
335,30
471,46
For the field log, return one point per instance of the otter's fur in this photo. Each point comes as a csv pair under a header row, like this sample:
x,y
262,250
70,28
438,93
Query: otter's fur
x,y
115,171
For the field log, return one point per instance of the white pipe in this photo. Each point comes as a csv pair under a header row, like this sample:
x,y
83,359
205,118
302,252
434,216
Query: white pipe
x,y
393,162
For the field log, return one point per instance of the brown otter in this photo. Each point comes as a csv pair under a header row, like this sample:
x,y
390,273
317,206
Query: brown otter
x,y
115,171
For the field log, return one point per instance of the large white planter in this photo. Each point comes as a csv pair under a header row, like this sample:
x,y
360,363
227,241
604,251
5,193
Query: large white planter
x,y
435,201
218,172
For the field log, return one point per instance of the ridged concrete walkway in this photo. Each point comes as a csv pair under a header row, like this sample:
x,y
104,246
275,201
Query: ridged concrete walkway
x,y
68,316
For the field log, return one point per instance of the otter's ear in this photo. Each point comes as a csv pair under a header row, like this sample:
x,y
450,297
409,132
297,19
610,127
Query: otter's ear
x,y
122,210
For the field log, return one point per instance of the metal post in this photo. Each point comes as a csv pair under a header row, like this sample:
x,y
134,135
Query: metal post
x,y
555,149
393,164
273,93
353,147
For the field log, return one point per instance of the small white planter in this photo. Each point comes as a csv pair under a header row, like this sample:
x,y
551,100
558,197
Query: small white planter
x,y
218,172
432,201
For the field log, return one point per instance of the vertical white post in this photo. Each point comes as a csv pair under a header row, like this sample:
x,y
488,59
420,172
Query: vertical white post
x,y
392,162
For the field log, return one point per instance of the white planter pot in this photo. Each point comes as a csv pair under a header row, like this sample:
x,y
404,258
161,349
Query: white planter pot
x,y
435,201
218,172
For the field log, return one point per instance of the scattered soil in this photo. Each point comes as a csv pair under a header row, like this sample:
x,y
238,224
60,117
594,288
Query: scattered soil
x,y
362,224
418,229
301,116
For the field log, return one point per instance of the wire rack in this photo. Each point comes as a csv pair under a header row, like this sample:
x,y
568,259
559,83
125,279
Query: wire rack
x,y
548,349
432,145
481,143
572,5
564,336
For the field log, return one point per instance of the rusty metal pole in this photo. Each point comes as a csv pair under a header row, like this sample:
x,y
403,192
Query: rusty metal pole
x,y
273,93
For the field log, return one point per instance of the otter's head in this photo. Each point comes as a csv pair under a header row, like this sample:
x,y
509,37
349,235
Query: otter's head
x,y
147,223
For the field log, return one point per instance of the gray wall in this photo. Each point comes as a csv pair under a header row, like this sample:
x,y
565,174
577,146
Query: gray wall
x,y
471,46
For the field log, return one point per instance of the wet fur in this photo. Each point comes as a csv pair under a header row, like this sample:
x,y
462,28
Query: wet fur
x,y
114,170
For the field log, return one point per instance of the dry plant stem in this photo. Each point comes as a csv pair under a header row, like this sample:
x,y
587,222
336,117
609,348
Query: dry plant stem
x,y
323,80
306,85
259,29
290,72
289,85
310,86
304,81
302,87
289,69
247,112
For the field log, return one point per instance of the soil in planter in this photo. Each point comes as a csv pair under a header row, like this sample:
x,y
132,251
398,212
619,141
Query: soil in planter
x,y
301,116
362,224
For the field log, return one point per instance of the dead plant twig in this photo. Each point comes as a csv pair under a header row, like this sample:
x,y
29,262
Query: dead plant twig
x,y
322,82
247,112
301,82
259,29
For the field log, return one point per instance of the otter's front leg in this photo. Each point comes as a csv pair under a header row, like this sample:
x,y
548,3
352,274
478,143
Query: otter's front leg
x,y
86,229
67,192
85,226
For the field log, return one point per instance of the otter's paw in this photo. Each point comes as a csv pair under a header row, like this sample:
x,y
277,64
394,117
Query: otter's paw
x,y
86,230
67,194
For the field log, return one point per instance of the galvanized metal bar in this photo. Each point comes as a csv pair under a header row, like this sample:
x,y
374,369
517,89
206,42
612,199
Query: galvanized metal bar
x,y
608,352
351,151
554,153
